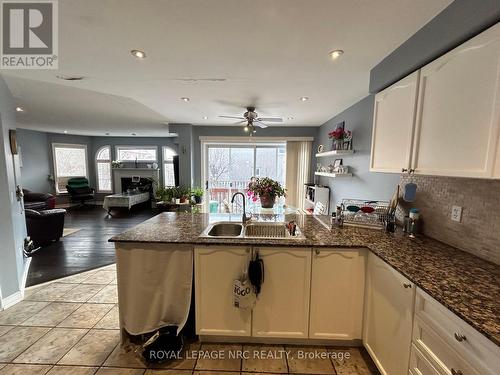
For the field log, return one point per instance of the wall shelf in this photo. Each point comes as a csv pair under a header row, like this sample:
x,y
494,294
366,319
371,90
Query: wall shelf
x,y
334,152
333,175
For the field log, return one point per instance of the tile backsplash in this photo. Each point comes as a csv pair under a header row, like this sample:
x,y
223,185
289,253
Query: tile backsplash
x,y
479,231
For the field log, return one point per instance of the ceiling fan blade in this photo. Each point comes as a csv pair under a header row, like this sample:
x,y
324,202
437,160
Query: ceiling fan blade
x,y
270,119
240,122
260,124
236,117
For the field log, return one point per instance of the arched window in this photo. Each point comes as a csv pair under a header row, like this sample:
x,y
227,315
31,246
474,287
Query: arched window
x,y
168,166
103,169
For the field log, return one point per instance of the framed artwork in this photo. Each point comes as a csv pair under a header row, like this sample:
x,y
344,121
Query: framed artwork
x,y
337,163
13,141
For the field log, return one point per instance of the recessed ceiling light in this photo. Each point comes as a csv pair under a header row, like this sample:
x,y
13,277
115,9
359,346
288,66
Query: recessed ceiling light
x,y
289,118
185,99
106,133
65,132
138,53
19,109
336,54
304,98
134,134
205,117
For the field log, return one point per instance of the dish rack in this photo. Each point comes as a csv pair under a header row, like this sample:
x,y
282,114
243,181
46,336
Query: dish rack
x,y
365,214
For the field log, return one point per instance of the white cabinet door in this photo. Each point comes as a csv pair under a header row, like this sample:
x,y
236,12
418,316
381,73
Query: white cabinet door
x,y
215,270
388,320
337,293
393,126
282,308
458,110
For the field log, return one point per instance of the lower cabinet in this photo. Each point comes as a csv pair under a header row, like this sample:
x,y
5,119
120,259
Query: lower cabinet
x,y
337,293
216,267
282,308
389,306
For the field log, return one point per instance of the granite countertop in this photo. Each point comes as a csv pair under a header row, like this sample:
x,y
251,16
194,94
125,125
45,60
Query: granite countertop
x,y
464,283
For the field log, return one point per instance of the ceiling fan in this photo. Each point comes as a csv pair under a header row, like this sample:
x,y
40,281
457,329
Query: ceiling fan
x,y
252,119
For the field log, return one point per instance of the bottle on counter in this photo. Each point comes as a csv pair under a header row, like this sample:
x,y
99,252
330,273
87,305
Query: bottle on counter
x,y
414,222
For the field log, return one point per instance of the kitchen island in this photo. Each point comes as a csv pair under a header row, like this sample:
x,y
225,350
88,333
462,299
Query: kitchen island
x,y
459,282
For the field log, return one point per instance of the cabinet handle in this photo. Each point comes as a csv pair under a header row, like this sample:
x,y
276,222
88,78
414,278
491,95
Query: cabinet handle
x,y
317,251
404,170
411,171
406,286
459,337
456,372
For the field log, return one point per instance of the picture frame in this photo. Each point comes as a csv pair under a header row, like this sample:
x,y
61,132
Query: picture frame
x,y
13,141
337,163
321,148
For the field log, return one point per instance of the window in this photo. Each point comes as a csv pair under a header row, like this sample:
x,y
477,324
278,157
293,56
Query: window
x,y
103,169
69,161
168,167
139,153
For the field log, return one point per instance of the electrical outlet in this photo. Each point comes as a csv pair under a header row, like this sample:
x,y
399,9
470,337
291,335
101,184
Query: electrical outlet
x,y
456,213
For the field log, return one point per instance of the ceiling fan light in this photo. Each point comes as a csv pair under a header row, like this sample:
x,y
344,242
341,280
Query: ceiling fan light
x,y
335,54
246,128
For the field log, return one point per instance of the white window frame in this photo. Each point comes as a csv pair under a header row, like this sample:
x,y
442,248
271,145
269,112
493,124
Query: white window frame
x,y
108,161
132,147
164,162
54,161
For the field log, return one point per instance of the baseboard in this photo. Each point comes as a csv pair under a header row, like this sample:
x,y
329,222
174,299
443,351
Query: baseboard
x,y
22,287
274,341
11,300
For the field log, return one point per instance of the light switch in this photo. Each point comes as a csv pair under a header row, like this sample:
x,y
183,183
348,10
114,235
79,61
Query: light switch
x,y
456,213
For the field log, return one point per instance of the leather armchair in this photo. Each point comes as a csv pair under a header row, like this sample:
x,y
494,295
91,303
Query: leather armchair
x,y
38,201
79,190
45,226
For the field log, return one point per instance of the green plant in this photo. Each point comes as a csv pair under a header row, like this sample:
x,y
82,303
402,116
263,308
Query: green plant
x,y
265,186
197,192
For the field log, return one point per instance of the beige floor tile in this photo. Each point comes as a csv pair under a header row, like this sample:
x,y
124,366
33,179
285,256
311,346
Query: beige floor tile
x,y
77,278
2,366
18,340
81,293
265,359
29,291
101,277
109,294
124,357
300,362
86,316
119,371
51,315
51,347
24,369
5,329
354,365
72,370
223,362
110,321
219,373
20,312
92,349
184,362
51,292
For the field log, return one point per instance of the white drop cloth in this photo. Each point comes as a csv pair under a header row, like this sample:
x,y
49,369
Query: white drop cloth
x,y
154,285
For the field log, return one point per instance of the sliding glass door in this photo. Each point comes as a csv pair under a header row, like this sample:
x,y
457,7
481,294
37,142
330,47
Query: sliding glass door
x,y
229,168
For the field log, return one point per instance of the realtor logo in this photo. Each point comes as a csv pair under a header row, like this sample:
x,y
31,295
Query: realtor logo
x,y
29,35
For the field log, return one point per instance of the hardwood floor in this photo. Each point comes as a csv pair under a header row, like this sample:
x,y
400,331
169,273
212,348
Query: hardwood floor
x,y
89,247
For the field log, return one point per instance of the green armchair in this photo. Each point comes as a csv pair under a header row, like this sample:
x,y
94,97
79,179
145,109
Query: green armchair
x,y
79,190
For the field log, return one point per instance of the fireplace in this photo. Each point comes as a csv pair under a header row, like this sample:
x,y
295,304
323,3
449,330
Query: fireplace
x,y
141,183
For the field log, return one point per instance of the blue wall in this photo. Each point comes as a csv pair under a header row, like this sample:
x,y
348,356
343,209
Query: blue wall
x,y
364,184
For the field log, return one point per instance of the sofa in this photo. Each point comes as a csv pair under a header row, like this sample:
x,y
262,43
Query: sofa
x,y
45,226
38,201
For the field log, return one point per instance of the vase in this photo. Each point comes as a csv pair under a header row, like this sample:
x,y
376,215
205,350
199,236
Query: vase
x,y
338,144
267,201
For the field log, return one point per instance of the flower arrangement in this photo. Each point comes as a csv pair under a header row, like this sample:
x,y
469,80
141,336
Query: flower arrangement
x,y
339,134
266,189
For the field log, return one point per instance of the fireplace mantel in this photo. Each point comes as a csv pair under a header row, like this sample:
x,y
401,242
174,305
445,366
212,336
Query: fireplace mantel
x,y
119,173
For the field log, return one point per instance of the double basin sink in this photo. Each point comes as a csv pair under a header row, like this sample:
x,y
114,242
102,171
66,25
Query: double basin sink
x,y
227,229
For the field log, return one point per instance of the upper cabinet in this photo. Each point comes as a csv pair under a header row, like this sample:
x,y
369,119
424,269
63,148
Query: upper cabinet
x,y
458,110
451,127
393,126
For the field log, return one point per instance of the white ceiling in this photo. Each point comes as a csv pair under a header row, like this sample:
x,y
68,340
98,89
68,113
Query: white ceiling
x,y
266,53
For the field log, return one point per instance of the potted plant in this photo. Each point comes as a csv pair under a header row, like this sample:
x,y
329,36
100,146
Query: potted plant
x,y
116,164
266,189
197,194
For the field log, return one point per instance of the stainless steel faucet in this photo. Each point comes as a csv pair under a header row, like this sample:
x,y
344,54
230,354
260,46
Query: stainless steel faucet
x,y
244,218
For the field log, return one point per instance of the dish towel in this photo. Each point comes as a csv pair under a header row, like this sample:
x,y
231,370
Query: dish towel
x,y
154,285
